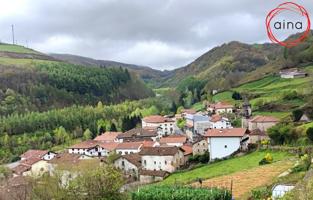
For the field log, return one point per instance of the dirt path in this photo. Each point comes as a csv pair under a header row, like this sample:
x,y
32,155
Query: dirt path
x,y
246,180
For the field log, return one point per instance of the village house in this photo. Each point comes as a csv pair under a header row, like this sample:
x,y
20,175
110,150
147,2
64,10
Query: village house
x,y
108,137
262,122
219,122
130,164
173,140
33,163
162,158
128,148
165,126
185,112
224,142
199,145
292,73
197,124
93,148
34,153
138,134
256,136
188,152
220,107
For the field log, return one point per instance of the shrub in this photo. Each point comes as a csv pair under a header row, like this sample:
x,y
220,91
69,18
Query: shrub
x,y
236,96
261,193
304,164
181,193
309,133
268,158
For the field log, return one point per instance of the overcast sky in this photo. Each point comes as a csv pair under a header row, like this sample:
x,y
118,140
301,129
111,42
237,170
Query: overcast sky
x,y
162,34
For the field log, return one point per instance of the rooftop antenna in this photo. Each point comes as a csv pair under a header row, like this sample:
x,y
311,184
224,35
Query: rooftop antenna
x,y
13,40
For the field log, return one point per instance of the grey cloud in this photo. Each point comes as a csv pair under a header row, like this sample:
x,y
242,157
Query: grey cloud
x,y
160,33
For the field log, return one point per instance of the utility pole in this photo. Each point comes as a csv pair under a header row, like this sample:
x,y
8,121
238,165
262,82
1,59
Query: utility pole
x,y
13,40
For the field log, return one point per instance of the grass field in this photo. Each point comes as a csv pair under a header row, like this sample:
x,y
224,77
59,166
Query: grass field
x,y
223,168
16,49
246,180
22,62
198,106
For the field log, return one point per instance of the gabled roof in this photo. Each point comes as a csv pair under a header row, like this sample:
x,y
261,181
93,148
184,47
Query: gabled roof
x,y
189,111
108,145
220,105
25,165
230,132
129,145
107,136
216,118
156,119
187,149
65,158
173,139
159,151
138,132
197,117
264,119
34,153
88,144
133,158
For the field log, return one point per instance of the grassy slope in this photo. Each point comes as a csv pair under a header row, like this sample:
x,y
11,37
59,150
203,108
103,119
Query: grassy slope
x,y
270,89
16,49
222,168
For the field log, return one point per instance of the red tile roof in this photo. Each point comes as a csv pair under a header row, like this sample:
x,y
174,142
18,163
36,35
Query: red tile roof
x,y
173,139
189,111
216,118
159,151
231,132
156,119
107,136
25,165
109,145
88,144
65,158
147,143
138,134
187,149
34,153
129,145
221,105
133,158
264,119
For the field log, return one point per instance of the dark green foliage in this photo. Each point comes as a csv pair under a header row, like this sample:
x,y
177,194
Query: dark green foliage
x,y
204,158
236,96
282,133
57,85
180,193
297,114
113,127
309,133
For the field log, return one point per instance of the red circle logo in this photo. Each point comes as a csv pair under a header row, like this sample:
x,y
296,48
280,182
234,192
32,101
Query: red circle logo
x,y
294,8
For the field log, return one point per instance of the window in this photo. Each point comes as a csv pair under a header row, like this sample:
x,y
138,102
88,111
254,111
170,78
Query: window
x,y
165,162
225,146
123,163
145,162
155,162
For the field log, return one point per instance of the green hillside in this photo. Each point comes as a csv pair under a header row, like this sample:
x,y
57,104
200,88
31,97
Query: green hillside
x,y
31,81
16,49
273,95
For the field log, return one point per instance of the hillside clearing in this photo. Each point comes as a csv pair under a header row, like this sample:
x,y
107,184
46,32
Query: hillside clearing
x,y
223,167
16,49
246,180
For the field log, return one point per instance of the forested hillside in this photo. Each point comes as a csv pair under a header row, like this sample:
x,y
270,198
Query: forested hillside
x,y
235,63
30,83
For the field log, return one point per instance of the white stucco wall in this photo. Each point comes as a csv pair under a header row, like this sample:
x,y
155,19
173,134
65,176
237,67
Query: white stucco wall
x,y
165,163
167,128
221,147
127,168
127,151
